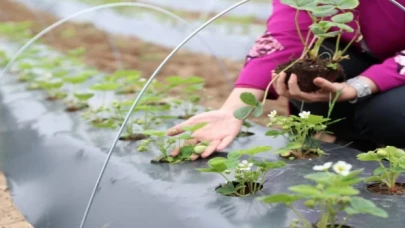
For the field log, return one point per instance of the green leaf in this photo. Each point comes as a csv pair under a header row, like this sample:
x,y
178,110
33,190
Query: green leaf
x,y
347,4
361,205
342,190
280,198
373,179
328,35
343,18
76,79
306,190
289,147
369,156
248,98
269,165
83,96
242,112
227,189
184,136
321,177
234,155
105,86
154,133
324,10
378,171
274,133
186,151
218,164
300,4
344,27
254,150
258,110
50,85
194,127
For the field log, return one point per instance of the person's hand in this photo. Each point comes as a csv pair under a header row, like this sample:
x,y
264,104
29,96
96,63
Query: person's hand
x,y
323,95
220,130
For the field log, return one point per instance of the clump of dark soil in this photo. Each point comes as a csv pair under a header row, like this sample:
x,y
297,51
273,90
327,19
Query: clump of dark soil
x,y
75,108
307,70
383,189
244,134
134,137
293,156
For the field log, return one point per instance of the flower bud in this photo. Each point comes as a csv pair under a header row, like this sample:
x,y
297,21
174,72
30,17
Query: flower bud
x,y
382,152
310,203
199,149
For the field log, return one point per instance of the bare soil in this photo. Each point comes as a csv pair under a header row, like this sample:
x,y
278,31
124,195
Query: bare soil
x,y
10,217
384,190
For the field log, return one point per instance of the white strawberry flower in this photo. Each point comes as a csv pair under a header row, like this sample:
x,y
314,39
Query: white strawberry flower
x,y
323,167
342,168
272,114
304,114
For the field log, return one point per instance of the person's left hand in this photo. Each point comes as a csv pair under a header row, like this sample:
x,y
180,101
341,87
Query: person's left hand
x,y
323,95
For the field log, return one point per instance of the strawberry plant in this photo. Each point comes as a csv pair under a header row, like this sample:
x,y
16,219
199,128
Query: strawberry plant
x,y
385,176
248,175
330,195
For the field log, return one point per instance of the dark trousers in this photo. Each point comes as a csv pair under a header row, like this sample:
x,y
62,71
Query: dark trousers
x,y
371,122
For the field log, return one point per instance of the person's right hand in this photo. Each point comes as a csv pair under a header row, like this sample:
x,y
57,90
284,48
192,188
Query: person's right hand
x,y
220,130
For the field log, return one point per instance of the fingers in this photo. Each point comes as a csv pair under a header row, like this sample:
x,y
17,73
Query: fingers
x,y
178,128
175,152
293,87
225,142
280,86
211,148
325,85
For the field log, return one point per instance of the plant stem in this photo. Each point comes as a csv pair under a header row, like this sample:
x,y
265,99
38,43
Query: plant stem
x,y
345,219
313,53
304,221
335,55
224,177
354,38
298,29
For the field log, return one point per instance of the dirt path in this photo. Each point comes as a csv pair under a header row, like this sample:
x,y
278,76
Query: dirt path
x,y
136,55
10,217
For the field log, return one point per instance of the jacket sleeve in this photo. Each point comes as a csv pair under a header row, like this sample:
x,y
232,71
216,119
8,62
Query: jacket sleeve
x,y
279,44
389,74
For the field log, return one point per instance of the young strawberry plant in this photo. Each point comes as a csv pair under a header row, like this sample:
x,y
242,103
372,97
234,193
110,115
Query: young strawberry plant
x,y
77,101
52,88
385,176
243,177
189,87
130,81
300,129
332,194
167,144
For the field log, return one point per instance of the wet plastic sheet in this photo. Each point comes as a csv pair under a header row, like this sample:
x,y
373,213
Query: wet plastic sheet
x,y
52,158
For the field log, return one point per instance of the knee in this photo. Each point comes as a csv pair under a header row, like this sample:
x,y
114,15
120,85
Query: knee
x,y
382,118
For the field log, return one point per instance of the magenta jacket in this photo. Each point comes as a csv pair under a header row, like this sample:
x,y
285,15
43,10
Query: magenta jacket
x,y
382,25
